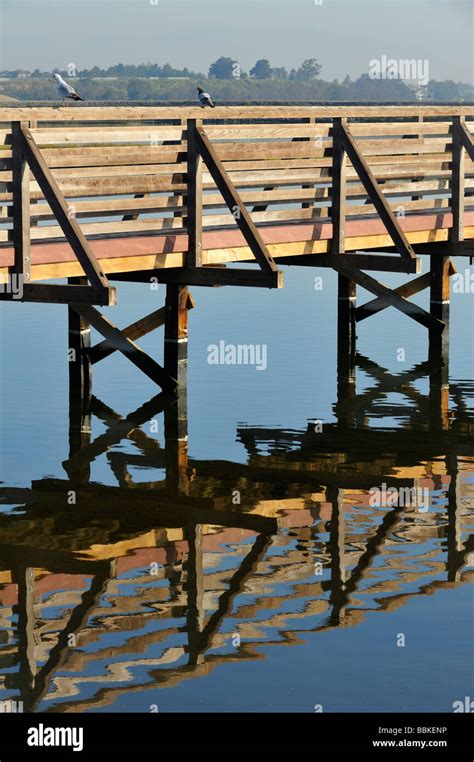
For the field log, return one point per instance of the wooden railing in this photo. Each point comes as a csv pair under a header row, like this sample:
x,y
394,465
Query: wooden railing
x,y
118,172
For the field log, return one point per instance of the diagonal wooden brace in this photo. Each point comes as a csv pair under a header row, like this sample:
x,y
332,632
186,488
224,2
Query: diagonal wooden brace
x,y
233,201
57,202
125,345
376,196
133,331
466,139
407,289
390,297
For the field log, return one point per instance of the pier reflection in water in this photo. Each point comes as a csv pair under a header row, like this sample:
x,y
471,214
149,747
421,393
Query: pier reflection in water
x,y
109,592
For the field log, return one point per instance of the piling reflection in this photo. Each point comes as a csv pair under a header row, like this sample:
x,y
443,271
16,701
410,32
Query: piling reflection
x,y
106,591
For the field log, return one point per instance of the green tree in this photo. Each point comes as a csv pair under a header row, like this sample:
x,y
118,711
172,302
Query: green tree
x,y
279,73
262,69
443,91
308,70
223,68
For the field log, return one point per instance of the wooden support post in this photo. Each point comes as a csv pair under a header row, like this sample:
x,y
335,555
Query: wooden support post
x,y
176,443
439,308
345,409
439,340
346,330
80,385
21,204
176,332
194,197
346,288
338,207
457,181
176,365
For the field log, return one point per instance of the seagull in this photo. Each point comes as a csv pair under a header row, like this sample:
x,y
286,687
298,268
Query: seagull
x,y
204,98
65,90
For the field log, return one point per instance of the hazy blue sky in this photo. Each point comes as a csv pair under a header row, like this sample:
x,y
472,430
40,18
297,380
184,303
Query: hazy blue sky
x,y
344,35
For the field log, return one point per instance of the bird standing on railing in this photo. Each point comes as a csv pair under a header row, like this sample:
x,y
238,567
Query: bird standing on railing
x,y
65,90
204,98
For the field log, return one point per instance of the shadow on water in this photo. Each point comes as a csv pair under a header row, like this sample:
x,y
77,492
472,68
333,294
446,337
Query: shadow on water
x,y
108,591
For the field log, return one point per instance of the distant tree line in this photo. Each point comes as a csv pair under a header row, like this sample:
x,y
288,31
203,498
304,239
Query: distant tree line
x,y
227,82
223,68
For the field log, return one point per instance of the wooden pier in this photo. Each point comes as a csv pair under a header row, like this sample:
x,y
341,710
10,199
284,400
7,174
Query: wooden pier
x,y
178,195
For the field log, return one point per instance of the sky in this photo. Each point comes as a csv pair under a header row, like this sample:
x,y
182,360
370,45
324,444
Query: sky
x,y
344,35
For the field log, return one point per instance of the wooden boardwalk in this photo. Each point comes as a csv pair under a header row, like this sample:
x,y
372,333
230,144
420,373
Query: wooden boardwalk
x,y
176,195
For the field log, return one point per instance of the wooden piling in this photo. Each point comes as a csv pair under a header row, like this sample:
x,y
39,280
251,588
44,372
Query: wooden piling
x,y
175,364
346,330
439,308
80,384
176,332
439,340
176,444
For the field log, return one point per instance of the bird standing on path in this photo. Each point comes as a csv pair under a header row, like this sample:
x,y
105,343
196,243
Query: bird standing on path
x,y
204,98
65,90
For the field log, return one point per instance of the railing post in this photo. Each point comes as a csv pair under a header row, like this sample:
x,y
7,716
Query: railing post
x,y
346,290
338,203
194,197
457,180
21,204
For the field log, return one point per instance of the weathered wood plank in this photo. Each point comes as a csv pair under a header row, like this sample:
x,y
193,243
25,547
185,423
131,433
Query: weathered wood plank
x,y
53,293
55,260
381,263
107,135
209,276
139,113
53,232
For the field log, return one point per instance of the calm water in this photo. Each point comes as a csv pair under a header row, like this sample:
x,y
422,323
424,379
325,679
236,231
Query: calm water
x,y
256,571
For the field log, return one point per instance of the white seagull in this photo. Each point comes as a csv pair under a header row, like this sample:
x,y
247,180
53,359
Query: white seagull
x,y
204,98
65,90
